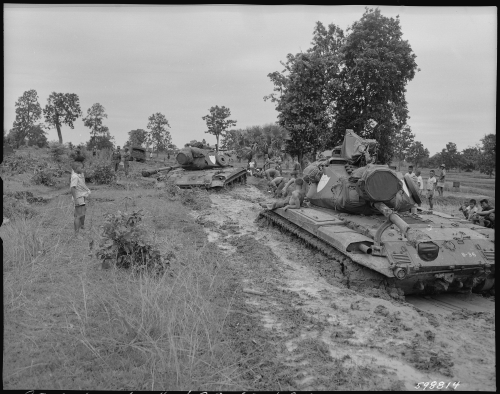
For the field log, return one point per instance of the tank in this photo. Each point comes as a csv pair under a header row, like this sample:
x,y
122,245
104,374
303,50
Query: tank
x,y
205,168
365,218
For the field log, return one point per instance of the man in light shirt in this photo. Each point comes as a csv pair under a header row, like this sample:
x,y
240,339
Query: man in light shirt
x,y
80,194
412,175
440,180
431,186
469,210
420,182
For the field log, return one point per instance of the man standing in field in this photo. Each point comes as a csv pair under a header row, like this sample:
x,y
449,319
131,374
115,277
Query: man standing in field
x,y
420,182
441,179
80,194
116,158
431,186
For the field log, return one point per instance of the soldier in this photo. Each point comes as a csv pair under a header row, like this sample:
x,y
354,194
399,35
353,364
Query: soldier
x,y
276,185
271,173
294,201
116,158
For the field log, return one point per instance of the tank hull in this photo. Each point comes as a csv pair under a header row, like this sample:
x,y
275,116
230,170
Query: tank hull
x,y
465,260
209,178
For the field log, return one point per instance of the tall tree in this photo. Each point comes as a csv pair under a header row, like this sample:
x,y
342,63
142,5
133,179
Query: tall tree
x,y
488,157
217,122
450,155
158,133
471,157
378,66
137,137
401,142
28,113
417,153
93,120
104,140
62,108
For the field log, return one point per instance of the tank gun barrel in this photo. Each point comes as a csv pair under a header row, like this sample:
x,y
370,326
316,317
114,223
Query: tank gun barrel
x,y
147,173
392,218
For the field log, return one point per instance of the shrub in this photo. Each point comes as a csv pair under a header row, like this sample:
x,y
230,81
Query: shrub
x,y
195,199
14,208
57,151
101,173
123,240
43,177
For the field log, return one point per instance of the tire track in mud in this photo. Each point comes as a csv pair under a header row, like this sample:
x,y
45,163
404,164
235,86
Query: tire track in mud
x,y
326,336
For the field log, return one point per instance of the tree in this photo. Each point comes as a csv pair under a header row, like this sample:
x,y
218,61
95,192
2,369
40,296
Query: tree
x,y
450,155
487,158
471,157
93,120
37,136
217,122
416,153
378,66
62,108
158,133
28,112
401,141
104,140
137,137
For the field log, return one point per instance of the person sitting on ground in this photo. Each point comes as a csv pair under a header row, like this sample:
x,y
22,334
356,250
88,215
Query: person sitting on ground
x,y
116,158
80,194
294,201
486,217
271,173
469,210
276,185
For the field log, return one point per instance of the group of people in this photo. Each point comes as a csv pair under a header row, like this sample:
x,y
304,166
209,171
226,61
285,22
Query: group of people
x,y
432,184
117,158
485,217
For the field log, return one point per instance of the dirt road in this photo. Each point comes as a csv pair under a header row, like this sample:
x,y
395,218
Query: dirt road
x,y
325,336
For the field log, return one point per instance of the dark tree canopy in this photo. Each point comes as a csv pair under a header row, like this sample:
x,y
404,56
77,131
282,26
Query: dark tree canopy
x,y
93,120
357,81
137,137
28,113
488,157
62,108
158,132
217,121
103,140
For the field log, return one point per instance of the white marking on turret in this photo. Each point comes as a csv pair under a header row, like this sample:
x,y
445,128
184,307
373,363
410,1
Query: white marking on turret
x,y
212,159
322,182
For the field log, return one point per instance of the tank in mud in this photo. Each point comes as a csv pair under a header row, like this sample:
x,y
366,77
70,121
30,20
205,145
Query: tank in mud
x,y
365,218
201,168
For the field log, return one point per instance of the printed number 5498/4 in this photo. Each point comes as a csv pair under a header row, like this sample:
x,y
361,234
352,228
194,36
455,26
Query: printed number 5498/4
x,y
436,385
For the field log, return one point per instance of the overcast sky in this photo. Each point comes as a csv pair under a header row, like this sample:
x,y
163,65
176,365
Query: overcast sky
x,y
182,60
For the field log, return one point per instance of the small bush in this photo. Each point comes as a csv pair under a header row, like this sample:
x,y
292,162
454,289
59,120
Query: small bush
x,y
195,199
14,208
43,177
101,173
123,240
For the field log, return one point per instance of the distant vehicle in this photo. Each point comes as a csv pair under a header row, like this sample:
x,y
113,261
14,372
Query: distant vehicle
x,y
138,153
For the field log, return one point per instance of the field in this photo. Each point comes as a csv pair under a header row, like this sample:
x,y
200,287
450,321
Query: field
x,y
241,306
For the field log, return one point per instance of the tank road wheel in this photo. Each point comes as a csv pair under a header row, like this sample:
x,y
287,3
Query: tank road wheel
x,y
413,189
487,284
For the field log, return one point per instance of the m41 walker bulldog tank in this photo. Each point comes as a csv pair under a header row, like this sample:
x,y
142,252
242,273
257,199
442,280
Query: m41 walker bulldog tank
x,y
360,215
201,168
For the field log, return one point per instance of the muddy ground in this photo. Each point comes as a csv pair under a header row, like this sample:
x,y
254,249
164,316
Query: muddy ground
x,y
304,330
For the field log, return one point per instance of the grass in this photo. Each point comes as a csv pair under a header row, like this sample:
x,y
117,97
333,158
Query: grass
x,y
68,324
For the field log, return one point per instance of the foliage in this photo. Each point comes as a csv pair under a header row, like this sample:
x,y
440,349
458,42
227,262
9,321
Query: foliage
x,y
158,133
353,82
57,151
43,177
62,108
416,153
14,208
37,136
123,240
28,112
401,142
450,156
103,141
137,137
16,164
487,159
217,121
101,173
470,158
93,121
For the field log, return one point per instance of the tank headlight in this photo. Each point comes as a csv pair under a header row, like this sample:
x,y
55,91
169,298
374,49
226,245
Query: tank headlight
x,y
400,273
428,251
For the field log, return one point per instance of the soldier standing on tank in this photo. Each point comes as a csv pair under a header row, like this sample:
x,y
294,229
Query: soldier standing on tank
x,y
441,179
431,186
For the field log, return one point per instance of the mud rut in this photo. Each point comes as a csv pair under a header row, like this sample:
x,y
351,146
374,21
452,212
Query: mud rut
x,y
328,336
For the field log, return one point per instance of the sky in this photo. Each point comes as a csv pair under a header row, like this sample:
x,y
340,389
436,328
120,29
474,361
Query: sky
x,y
182,60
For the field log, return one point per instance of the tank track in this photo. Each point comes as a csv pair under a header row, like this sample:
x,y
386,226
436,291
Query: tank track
x,y
340,266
